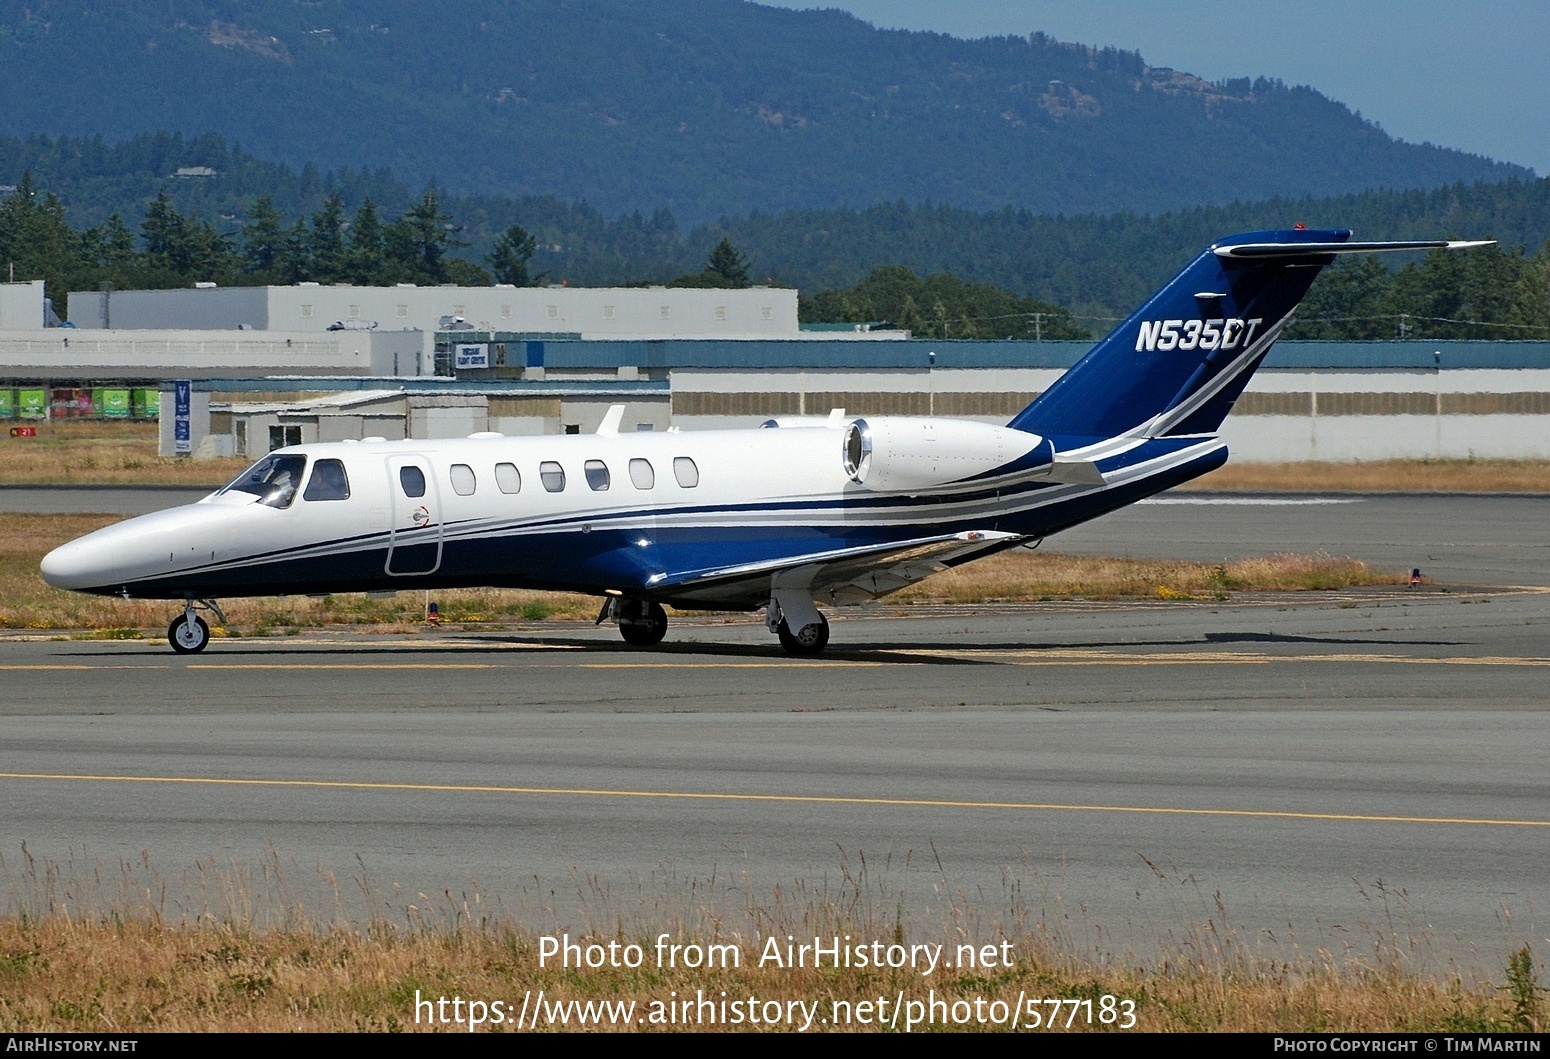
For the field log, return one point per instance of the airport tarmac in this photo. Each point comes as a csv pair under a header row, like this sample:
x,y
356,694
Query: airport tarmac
x,y
1358,772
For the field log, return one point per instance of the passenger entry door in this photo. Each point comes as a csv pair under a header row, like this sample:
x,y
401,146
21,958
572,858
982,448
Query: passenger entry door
x,y
414,536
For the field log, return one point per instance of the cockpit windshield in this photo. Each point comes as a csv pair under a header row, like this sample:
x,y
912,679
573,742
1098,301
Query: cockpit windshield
x,y
272,479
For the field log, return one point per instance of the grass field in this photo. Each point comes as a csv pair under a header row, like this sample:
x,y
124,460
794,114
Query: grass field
x,y
243,954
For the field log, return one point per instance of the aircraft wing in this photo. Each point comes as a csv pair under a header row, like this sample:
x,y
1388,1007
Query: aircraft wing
x,y
841,577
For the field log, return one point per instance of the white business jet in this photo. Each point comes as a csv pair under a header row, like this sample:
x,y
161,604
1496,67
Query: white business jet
x,y
802,512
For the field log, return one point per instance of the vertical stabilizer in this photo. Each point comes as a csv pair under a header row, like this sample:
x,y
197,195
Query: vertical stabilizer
x,y
1178,363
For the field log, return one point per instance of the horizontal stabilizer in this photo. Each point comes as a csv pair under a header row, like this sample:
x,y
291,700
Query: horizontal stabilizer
x,y
1286,250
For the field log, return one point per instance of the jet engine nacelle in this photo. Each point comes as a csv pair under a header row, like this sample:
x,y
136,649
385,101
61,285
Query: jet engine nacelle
x,y
903,454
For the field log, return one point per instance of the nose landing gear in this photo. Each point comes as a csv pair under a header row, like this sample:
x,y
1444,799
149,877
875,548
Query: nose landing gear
x,y
189,634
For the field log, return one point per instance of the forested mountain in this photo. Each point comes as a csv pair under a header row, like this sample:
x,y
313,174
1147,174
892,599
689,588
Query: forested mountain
x,y
88,213
700,107
975,268
1094,263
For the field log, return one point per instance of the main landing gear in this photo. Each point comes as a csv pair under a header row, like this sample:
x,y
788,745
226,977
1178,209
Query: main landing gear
x,y
802,630
807,641
189,634
641,622
791,615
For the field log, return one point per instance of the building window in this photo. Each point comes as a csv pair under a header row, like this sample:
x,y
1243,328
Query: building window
x,y
685,470
552,475
507,478
642,475
463,481
597,475
281,437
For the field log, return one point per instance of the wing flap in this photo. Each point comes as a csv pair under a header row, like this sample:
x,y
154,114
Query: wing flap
x,y
842,577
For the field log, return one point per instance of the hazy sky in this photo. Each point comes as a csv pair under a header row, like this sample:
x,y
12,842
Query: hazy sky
x,y
1470,74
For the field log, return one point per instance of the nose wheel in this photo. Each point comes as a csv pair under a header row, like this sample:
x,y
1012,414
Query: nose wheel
x,y
189,634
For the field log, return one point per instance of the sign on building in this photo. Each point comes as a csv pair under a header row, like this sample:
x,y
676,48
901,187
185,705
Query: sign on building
x,y
472,356
181,399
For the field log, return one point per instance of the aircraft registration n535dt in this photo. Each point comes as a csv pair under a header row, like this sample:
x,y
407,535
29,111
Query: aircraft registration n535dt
x,y
835,510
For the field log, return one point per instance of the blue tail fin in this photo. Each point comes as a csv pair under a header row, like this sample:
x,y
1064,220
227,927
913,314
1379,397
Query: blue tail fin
x,y
1178,363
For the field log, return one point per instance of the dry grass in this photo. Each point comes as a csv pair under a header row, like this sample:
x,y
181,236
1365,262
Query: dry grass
x,y
1382,476
142,964
1019,576
90,452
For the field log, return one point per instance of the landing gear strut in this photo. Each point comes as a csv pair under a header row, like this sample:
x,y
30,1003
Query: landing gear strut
x,y
641,622
189,634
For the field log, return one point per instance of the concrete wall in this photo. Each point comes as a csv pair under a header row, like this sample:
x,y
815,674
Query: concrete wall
x,y
1285,414
1481,413
184,309
21,305
588,311
69,353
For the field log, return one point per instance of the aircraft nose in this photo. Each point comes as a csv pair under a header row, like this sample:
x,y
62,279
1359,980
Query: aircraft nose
x,y
81,564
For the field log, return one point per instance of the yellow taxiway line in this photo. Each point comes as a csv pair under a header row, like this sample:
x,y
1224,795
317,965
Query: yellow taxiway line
x,y
793,799
901,655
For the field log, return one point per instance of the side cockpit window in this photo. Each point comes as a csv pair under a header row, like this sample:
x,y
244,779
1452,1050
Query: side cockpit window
x,y
328,482
272,479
